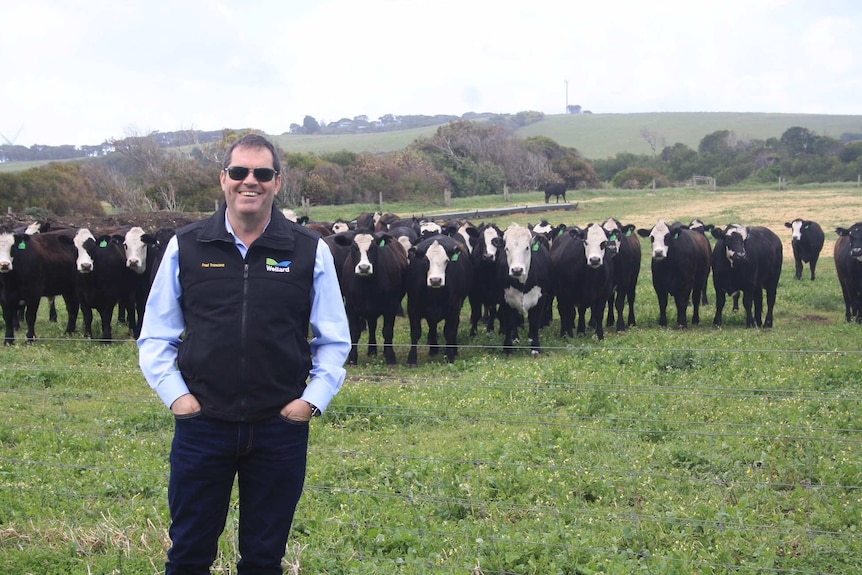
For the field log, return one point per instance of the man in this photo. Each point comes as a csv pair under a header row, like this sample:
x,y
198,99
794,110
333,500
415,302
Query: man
x,y
224,344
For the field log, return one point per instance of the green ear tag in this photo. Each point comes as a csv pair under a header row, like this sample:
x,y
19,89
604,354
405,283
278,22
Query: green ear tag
x,y
103,244
454,257
536,247
382,243
628,233
676,236
22,245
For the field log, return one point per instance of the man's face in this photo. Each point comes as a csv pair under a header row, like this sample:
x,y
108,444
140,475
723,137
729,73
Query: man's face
x,y
250,197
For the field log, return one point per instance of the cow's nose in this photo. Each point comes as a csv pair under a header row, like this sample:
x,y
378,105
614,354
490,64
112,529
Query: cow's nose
x,y
133,263
435,282
364,268
595,262
516,272
86,267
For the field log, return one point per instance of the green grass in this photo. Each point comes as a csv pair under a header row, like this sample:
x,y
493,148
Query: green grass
x,y
658,450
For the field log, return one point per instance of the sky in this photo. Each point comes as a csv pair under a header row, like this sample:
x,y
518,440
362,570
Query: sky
x,y
83,72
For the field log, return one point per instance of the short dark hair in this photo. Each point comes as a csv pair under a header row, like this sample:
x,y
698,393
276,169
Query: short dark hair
x,y
253,141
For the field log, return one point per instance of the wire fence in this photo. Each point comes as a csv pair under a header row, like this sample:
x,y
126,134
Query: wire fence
x,y
511,475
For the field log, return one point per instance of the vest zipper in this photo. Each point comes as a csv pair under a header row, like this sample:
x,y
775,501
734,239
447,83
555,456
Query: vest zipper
x,y
243,337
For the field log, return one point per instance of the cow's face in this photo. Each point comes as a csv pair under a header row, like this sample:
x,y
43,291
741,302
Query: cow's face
x,y
135,244
595,244
854,234
339,227
660,239
363,254
734,243
7,247
486,243
519,245
614,233
796,229
438,260
429,229
84,241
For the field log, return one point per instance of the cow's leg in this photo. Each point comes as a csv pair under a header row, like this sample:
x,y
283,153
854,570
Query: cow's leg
x,y
52,309
720,299
534,320
597,311
507,320
372,335
10,312
354,321
87,313
813,265
566,309
758,307
72,306
433,338
30,311
748,303
582,319
450,333
662,308
798,262
106,313
620,304
696,296
770,304
388,336
630,297
681,303
415,334
475,315
492,315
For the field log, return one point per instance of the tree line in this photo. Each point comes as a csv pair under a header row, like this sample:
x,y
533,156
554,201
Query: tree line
x,y
467,158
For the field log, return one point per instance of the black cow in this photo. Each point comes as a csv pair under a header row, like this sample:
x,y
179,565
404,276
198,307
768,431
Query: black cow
x,y
807,241
484,296
373,286
438,280
33,266
848,264
523,279
582,273
103,281
623,241
680,266
746,259
554,189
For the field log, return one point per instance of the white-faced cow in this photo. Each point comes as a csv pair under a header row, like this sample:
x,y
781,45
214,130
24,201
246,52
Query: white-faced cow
x,y
746,259
32,267
141,252
582,272
623,241
484,294
806,240
438,280
523,276
373,286
848,264
680,267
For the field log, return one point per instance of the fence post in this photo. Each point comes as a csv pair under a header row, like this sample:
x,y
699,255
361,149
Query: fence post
x,y
380,202
505,192
447,197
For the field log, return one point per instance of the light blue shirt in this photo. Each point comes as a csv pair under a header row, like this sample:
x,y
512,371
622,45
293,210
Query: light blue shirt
x,y
164,324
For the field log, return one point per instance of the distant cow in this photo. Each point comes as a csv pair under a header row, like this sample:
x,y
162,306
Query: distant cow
x,y
555,189
484,297
582,272
373,286
32,267
438,280
623,241
848,264
746,259
680,266
523,277
807,241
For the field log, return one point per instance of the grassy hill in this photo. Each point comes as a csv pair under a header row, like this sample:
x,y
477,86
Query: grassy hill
x,y
604,135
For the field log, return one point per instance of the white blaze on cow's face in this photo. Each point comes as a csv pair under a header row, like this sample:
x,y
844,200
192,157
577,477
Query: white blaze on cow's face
x,y
488,235
136,250
364,242
289,214
405,243
614,234
462,231
796,230
429,228
437,262
7,240
33,228
734,243
658,237
519,242
83,263
339,227
594,245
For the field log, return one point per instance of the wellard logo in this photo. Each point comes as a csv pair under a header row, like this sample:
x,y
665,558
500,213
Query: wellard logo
x,y
277,267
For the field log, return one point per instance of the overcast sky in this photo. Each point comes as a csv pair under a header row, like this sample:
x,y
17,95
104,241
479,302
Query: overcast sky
x,y
80,72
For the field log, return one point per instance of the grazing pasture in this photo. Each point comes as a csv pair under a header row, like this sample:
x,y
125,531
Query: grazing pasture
x,y
654,450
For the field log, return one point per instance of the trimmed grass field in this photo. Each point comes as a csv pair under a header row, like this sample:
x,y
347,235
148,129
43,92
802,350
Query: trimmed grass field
x,y
658,450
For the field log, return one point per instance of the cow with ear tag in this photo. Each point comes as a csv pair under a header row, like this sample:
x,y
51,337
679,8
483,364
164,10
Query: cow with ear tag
x,y
439,278
848,264
807,241
524,282
746,259
623,241
680,268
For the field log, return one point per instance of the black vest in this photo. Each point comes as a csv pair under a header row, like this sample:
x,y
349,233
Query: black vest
x,y
245,351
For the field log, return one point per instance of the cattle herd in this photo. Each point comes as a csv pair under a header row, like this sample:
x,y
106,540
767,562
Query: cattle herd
x,y
513,278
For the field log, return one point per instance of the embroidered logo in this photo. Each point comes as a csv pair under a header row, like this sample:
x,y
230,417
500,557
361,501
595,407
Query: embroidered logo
x,y
277,267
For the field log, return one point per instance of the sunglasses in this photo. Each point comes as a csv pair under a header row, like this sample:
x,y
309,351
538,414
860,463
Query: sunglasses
x,y
239,173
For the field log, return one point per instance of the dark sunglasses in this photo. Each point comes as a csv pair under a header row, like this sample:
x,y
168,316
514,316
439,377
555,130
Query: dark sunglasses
x,y
239,173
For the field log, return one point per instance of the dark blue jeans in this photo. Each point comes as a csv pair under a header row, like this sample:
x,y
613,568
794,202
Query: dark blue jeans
x,y
268,457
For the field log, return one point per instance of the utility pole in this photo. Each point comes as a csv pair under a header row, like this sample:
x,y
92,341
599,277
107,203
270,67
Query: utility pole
x,y
567,96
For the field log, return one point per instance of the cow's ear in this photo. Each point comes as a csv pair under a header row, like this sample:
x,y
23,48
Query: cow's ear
x,y
718,233
788,225
842,231
644,233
